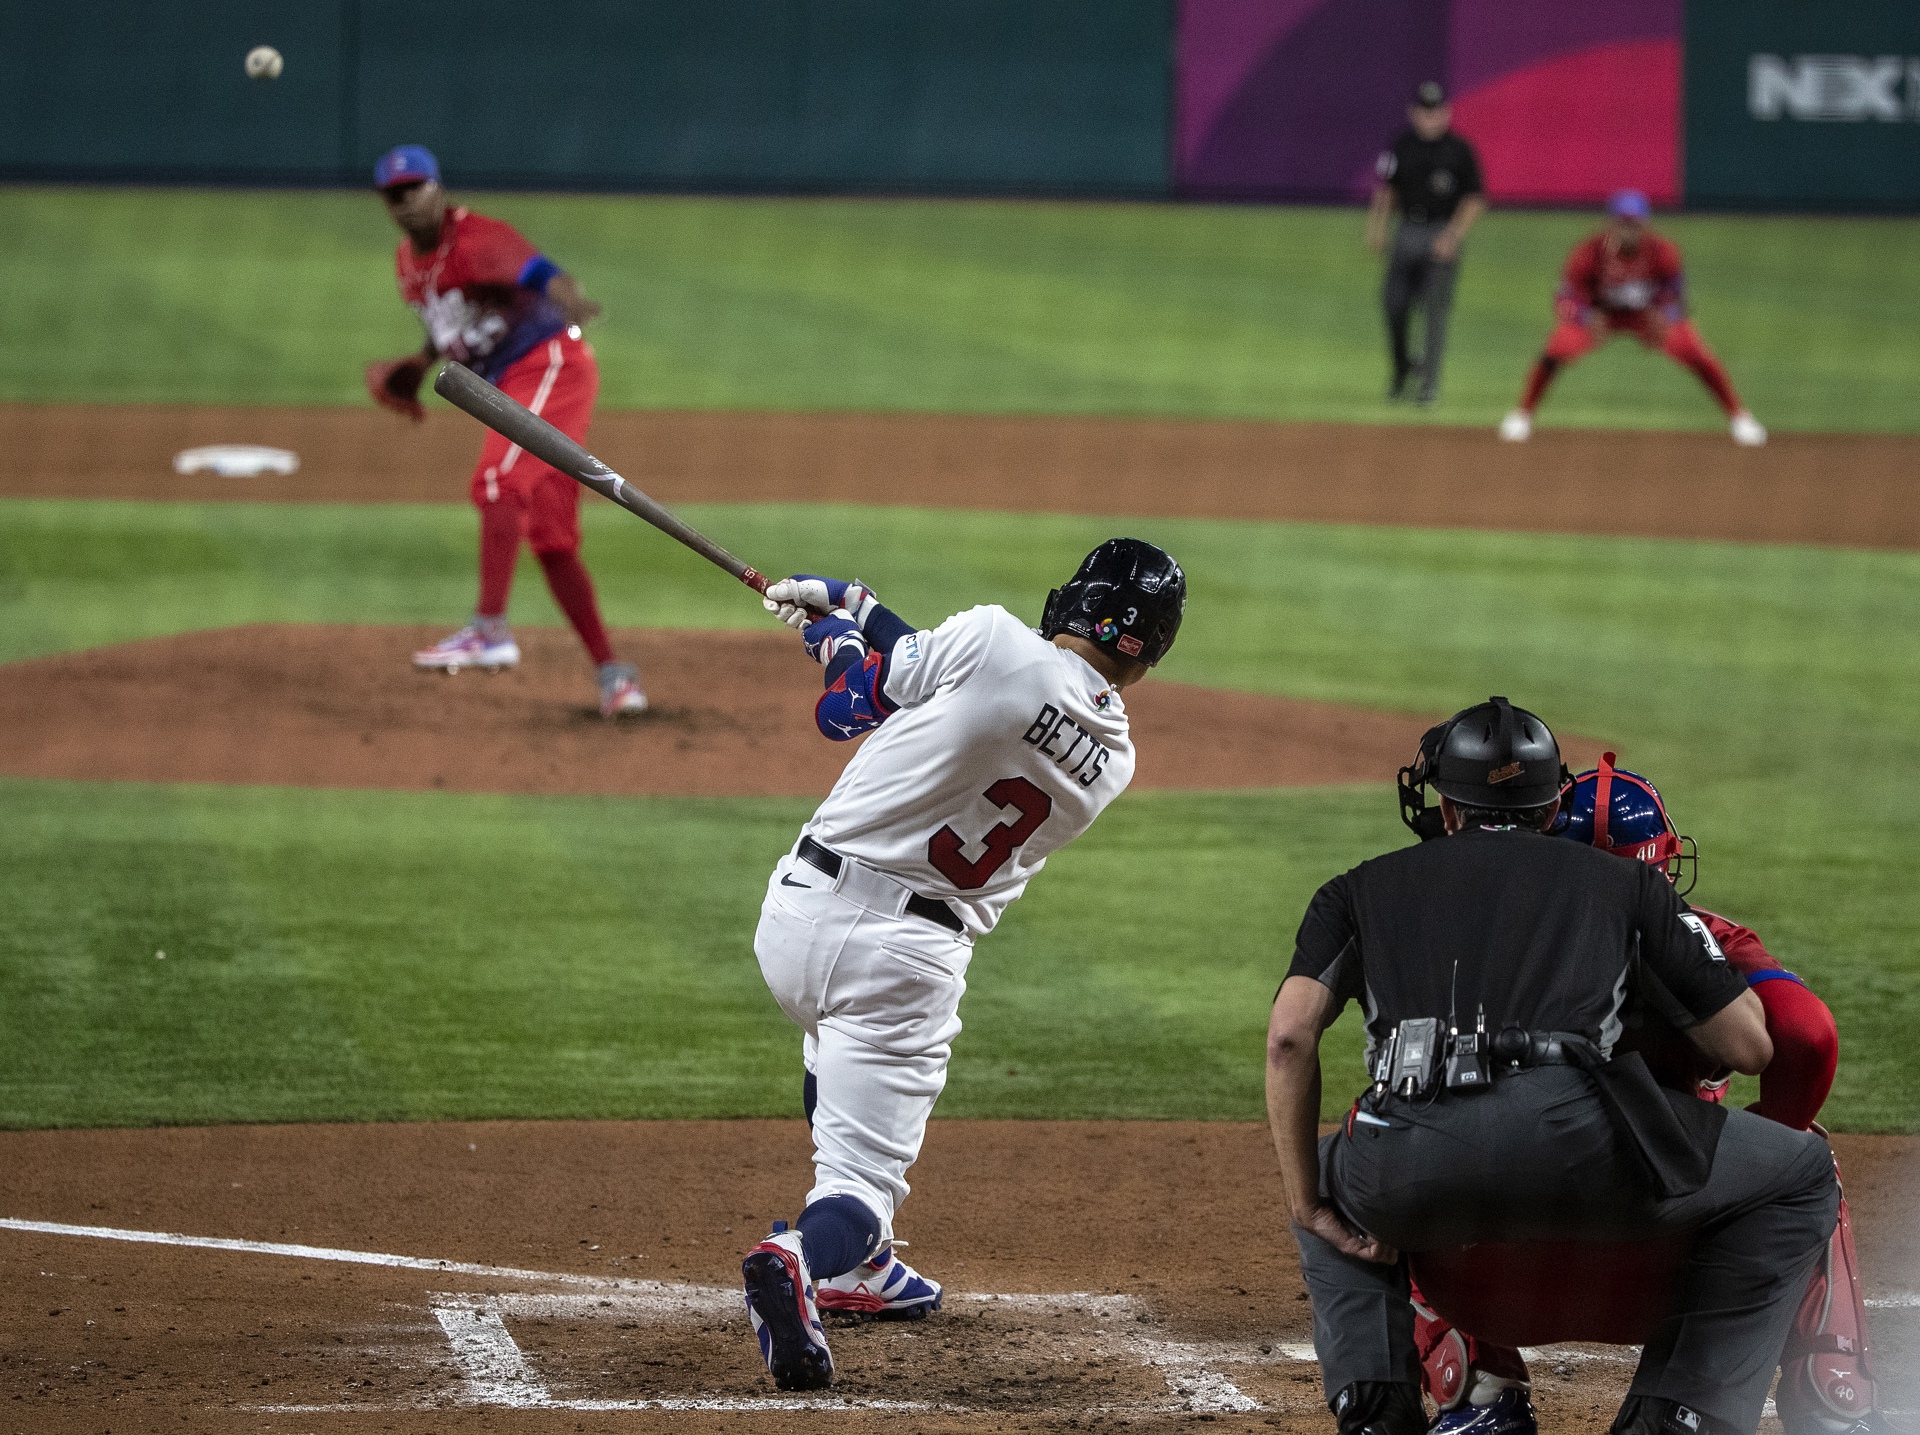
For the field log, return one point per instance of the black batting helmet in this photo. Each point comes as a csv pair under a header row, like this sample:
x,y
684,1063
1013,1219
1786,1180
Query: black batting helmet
x,y
1127,596
1494,755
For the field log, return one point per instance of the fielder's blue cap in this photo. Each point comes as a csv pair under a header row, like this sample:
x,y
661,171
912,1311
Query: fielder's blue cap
x,y
1625,204
403,164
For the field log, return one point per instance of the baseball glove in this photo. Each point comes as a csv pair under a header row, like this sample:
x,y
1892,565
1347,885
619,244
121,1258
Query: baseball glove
x,y
395,384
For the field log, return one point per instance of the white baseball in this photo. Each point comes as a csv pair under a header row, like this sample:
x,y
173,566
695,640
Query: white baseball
x,y
264,63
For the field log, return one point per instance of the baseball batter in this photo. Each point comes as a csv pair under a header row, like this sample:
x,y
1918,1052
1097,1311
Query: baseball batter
x,y
1827,1386
992,746
491,300
1627,280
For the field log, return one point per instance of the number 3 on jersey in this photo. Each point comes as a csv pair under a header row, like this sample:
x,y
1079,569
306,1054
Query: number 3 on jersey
x,y
943,848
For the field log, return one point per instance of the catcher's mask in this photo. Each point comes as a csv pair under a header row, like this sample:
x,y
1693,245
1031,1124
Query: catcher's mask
x,y
1621,812
1493,755
1127,596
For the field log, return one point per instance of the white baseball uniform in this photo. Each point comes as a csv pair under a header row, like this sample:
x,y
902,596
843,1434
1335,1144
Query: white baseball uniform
x,y
1003,748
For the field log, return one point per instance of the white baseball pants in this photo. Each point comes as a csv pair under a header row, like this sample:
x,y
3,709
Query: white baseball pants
x,y
877,993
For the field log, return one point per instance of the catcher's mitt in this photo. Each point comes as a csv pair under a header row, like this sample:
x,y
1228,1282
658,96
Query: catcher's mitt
x,y
395,384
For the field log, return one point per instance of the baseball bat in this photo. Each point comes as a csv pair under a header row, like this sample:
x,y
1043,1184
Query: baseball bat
x,y
466,390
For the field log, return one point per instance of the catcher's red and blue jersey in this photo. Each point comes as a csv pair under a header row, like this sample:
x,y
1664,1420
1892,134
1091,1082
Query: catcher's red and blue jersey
x,y
1600,275
1806,1045
481,292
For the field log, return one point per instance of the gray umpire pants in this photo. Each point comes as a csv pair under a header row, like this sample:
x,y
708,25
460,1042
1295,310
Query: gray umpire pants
x,y
1536,1158
1415,279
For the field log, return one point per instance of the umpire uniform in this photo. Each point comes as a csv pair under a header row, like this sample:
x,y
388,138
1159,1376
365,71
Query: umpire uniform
x,y
1507,1114
1428,180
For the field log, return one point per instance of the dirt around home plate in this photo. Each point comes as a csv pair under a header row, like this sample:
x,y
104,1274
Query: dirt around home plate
x,y
1101,1276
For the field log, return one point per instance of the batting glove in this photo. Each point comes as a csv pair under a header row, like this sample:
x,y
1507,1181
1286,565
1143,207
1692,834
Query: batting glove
x,y
802,598
833,634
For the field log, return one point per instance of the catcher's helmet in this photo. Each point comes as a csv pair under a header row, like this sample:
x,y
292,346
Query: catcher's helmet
x,y
1494,755
1127,596
1620,811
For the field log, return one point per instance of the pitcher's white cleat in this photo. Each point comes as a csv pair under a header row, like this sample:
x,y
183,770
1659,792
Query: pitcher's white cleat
x,y
1517,426
1747,430
468,648
620,691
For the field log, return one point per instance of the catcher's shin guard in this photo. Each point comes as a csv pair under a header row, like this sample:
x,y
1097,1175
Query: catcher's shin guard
x,y
1455,1365
1444,1358
1826,1372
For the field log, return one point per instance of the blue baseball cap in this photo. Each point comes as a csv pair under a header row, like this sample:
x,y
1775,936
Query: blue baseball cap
x,y
1625,204
404,164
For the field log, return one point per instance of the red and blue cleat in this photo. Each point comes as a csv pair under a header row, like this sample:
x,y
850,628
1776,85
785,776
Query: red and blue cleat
x,y
780,1306
885,1288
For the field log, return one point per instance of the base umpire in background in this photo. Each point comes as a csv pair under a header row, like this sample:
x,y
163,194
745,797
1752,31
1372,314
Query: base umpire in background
x,y
1432,177
1494,967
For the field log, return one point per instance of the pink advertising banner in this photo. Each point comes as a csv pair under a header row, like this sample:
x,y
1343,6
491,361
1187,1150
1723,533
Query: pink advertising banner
x,y
1294,99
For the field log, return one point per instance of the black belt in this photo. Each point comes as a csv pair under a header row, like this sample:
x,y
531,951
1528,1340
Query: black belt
x,y
1517,1046
931,909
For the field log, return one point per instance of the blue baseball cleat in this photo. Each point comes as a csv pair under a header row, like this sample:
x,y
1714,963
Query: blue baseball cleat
x,y
1511,1413
885,1288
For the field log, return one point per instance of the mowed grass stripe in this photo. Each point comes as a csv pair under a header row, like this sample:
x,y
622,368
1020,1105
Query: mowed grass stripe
x,y
356,956
384,956
958,306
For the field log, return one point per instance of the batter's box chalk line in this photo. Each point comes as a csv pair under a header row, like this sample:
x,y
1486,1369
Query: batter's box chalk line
x,y
493,1370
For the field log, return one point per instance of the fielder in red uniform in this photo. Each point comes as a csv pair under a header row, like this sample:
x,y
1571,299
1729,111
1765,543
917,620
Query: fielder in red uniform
x,y
491,300
1627,280
1527,1294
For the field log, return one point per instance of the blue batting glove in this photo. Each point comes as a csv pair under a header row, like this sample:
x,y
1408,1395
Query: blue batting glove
x,y
826,636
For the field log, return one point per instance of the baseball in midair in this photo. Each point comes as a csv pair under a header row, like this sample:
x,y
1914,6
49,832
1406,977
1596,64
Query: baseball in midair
x,y
264,63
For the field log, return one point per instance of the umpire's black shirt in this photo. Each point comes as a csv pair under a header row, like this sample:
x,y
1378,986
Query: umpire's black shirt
x,y
1548,934
1430,177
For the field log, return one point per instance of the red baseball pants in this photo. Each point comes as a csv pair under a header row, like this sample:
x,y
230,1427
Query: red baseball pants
x,y
522,499
1679,341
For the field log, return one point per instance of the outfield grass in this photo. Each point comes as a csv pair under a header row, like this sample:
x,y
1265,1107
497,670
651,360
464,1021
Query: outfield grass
x,y
949,306
1769,690
355,956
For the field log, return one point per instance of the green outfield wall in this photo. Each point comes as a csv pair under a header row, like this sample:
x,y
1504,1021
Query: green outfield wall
x,y
1803,106
1753,104
982,96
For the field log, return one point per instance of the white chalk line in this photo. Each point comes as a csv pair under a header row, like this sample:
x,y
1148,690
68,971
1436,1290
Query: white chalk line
x,y
330,1253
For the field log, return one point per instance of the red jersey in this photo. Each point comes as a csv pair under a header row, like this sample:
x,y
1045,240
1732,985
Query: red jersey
x,y
1805,1045
1599,276
481,292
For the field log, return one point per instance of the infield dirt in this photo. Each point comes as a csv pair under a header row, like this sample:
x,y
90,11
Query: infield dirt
x,y
1162,1288
1849,490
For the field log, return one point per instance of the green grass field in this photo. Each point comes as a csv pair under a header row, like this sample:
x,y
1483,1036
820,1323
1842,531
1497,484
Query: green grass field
x,y
376,955
961,306
381,955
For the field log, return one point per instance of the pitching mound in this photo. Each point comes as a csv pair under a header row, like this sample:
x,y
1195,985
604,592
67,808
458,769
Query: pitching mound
x,y
732,716
560,1277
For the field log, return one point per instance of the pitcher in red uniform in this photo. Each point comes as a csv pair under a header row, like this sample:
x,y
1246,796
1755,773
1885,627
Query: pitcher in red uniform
x,y
1522,1294
1627,280
491,300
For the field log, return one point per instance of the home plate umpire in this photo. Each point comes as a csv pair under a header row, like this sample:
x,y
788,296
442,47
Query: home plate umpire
x,y
1494,965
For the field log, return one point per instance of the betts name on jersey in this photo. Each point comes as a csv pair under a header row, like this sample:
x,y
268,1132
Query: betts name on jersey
x,y
1002,749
